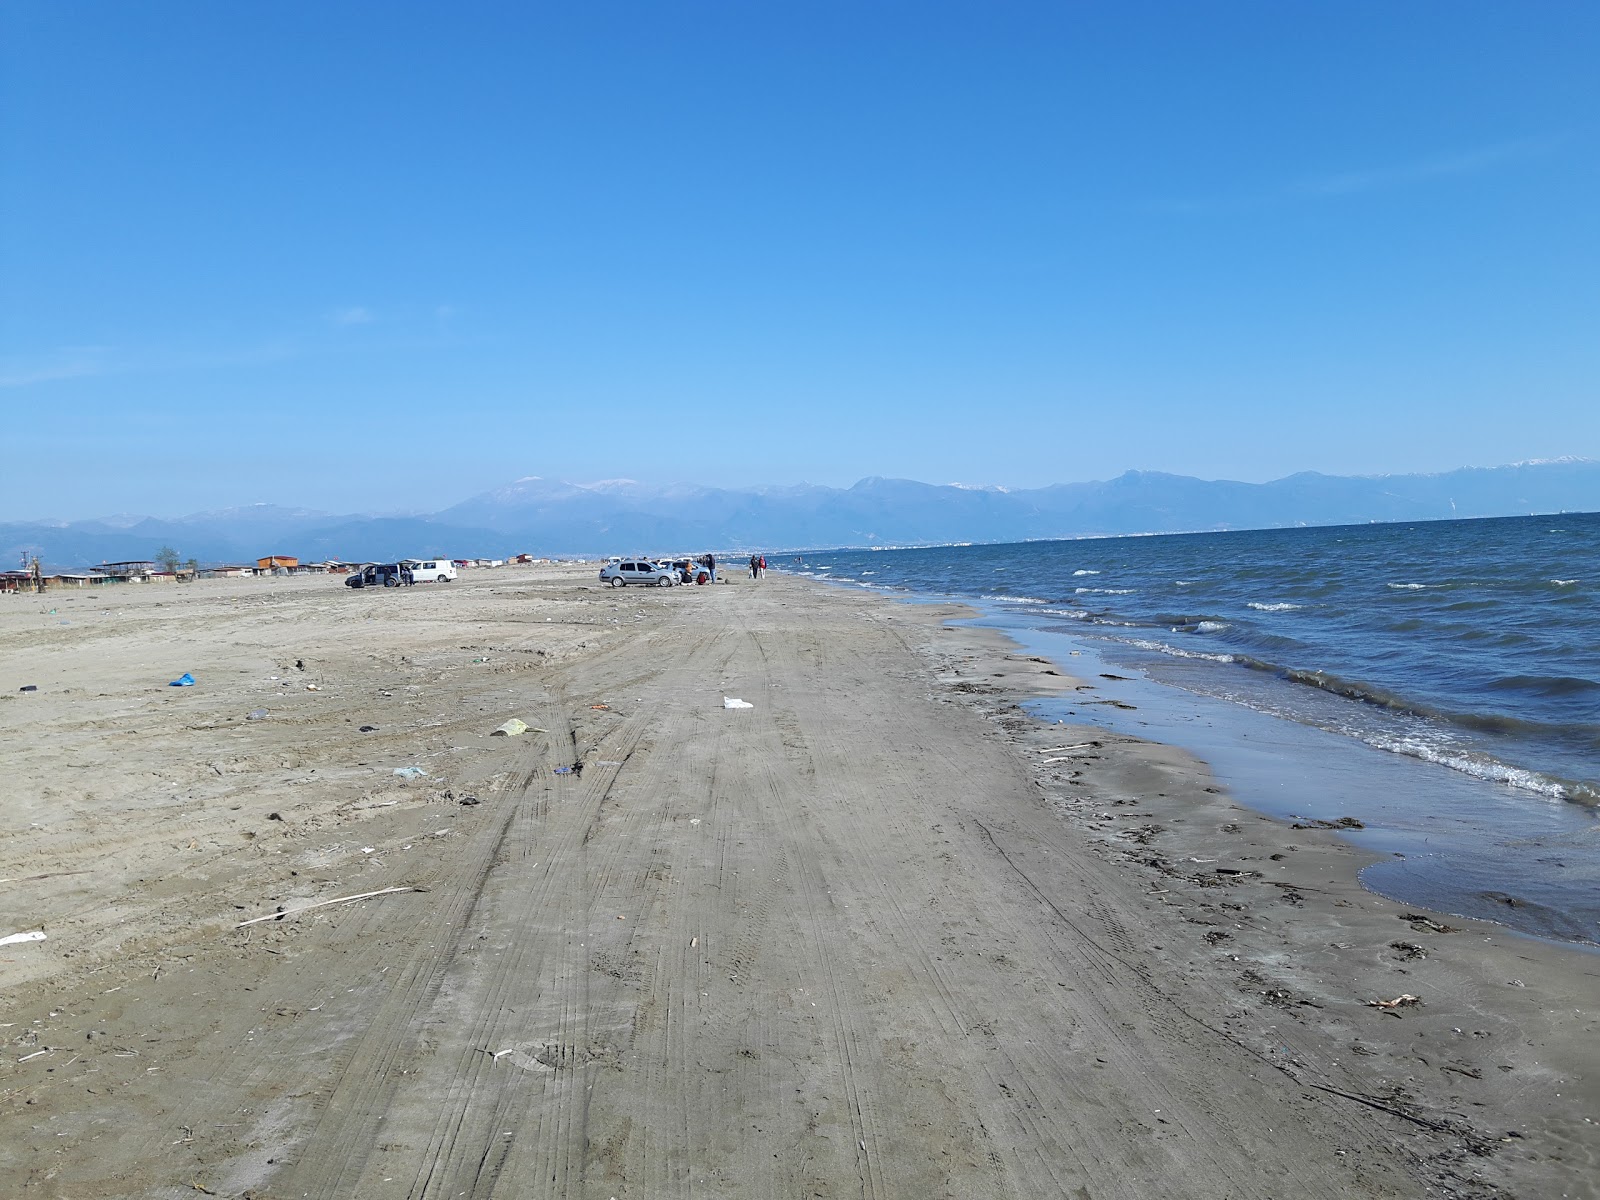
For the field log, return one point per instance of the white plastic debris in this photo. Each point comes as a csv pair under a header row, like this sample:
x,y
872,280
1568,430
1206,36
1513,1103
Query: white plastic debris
x,y
734,702
512,728
36,935
410,772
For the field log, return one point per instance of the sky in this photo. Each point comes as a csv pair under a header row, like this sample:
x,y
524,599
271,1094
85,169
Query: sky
x,y
367,258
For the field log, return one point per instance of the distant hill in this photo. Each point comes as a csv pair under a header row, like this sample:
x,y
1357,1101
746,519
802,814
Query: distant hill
x,y
557,518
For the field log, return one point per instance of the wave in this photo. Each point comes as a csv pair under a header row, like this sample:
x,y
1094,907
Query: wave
x,y
1544,685
1586,736
1086,572
1407,587
1282,606
1564,582
1104,591
1481,766
1179,652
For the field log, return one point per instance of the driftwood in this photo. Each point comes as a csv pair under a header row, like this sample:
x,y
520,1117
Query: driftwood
x,y
295,912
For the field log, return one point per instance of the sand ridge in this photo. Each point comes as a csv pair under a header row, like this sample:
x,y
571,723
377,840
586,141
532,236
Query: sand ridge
x,y
881,934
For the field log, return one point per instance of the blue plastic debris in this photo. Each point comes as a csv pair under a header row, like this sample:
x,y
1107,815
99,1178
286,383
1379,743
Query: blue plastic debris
x,y
184,680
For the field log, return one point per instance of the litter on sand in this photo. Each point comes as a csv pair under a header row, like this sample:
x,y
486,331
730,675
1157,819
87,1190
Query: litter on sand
x,y
1405,1001
735,702
12,939
410,772
32,687
184,680
256,714
295,912
512,728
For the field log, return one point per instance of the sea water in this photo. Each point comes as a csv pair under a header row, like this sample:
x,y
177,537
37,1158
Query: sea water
x,y
1441,677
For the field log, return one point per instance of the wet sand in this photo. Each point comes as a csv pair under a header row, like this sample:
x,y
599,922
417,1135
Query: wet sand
x,y
882,934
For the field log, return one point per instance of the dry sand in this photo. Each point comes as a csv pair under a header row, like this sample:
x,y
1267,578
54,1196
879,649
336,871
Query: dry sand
x,y
879,935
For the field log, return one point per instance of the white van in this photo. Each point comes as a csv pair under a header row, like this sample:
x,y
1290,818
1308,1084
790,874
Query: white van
x,y
434,570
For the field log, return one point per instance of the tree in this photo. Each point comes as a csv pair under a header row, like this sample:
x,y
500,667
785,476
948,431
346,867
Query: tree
x,y
169,560
193,568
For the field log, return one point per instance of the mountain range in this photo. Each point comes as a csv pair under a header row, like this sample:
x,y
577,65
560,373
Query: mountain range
x,y
553,518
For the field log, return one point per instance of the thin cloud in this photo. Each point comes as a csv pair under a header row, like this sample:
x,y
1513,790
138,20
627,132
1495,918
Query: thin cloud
x,y
1477,161
1439,166
69,362
355,315
85,362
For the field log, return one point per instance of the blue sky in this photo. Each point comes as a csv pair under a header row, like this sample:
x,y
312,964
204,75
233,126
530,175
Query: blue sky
x,y
368,258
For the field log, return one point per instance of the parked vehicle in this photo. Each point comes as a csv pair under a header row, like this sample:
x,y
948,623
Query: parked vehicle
x,y
438,570
637,570
375,575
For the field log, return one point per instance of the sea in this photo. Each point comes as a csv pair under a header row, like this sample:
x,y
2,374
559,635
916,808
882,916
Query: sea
x,y
1437,681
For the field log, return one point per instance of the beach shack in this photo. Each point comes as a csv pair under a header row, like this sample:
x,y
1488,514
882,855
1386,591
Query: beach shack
x,y
274,562
133,571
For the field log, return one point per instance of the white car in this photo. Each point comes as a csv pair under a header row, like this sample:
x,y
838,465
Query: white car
x,y
621,572
440,570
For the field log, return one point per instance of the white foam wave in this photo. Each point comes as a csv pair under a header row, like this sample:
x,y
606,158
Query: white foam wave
x,y
1211,626
1407,587
1086,572
1105,591
1077,614
1024,600
1563,582
1185,582
1175,652
1478,767
1282,606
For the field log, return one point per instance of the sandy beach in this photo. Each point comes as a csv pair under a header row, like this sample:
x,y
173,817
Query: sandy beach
x,y
880,934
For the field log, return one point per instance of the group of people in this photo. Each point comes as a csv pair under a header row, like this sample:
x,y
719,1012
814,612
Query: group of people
x,y
758,565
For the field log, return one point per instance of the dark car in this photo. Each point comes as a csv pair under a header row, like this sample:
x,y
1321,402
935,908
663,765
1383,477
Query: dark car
x,y
375,575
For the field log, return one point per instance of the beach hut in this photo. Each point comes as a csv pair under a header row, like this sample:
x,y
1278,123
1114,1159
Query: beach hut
x,y
133,571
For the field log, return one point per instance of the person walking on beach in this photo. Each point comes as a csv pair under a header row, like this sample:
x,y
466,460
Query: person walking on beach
x,y
761,567
752,566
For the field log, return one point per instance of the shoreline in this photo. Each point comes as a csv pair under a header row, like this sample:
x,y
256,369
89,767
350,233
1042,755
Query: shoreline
x,y
1440,839
860,937
1266,929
